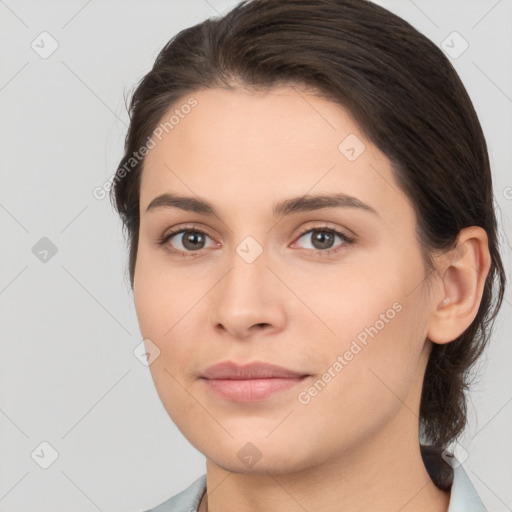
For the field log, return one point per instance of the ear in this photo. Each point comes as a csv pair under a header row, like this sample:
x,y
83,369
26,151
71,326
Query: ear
x,y
457,297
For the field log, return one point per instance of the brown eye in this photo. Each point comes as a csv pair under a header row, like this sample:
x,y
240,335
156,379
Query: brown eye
x,y
185,241
192,240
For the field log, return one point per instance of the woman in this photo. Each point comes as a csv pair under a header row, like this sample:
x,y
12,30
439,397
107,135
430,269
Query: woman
x,y
313,253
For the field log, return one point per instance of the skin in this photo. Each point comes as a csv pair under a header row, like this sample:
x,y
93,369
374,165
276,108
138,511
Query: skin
x,y
356,442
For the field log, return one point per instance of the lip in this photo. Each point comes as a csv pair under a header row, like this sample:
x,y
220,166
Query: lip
x,y
250,382
255,370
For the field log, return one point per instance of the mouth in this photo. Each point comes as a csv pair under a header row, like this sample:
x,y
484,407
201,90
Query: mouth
x,y
251,382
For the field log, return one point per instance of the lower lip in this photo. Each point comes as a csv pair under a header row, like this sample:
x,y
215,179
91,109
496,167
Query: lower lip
x,y
250,390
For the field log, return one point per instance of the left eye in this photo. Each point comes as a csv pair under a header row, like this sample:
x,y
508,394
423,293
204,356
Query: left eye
x,y
322,239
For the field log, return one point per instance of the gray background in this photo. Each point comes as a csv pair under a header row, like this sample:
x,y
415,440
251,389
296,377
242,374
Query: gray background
x,y
68,375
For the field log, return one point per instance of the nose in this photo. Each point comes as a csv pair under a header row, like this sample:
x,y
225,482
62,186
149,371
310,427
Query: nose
x,y
249,299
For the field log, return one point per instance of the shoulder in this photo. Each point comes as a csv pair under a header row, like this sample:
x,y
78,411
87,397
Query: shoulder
x,y
185,501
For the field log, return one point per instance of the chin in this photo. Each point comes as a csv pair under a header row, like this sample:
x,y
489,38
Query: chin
x,y
256,456
264,466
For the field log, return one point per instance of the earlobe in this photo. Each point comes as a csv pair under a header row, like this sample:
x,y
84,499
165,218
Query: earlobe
x,y
464,271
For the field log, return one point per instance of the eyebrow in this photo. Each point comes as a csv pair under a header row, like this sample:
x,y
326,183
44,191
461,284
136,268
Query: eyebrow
x,y
285,207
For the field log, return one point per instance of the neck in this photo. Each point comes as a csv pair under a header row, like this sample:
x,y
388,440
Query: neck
x,y
386,471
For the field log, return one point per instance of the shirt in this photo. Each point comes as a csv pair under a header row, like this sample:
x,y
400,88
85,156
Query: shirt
x,y
463,497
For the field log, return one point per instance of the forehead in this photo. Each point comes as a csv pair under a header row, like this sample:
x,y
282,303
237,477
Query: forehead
x,y
256,147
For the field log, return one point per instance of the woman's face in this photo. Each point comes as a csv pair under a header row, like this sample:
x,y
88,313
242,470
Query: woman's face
x,y
263,281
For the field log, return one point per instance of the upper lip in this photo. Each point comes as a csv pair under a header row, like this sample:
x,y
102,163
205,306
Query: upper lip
x,y
255,370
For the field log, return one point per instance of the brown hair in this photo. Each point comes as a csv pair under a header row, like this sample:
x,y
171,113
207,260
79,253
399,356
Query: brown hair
x,y
407,99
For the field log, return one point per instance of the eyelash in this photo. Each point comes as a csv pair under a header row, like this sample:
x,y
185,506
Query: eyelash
x,y
347,240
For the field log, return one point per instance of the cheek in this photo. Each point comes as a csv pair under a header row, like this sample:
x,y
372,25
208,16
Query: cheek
x,y
159,311
167,305
379,319
372,378
162,296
